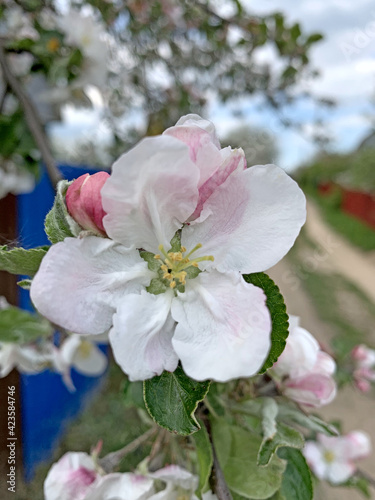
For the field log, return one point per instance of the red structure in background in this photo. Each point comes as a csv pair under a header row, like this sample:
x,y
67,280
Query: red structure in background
x,y
356,203
360,205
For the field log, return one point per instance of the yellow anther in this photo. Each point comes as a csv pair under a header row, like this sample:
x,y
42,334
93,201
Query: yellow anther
x,y
178,256
157,256
172,284
183,249
167,276
164,268
194,264
169,263
53,44
186,260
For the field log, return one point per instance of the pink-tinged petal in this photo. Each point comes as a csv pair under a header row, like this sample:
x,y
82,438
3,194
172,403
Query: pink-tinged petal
x,y
203,152
251,221
362,385
152,191
223,329
325,364
81,281
71,478
119,486
231,161
359,444
84,202
312,390
340,471
313,454
300,354
364,356
141,335
192,120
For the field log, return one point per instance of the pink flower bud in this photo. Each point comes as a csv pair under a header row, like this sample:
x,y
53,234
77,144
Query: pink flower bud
x,y
362,385
84,201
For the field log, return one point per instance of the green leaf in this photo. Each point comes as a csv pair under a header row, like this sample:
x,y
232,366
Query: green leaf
x,y
21,326
297,482
276,305
172,398
285,436
25,284
205,457
237,451
133,394
20,260
59,224
311,422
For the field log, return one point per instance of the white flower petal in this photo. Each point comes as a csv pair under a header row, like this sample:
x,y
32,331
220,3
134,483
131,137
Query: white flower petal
x,y
250,222
193,120
223,329
177,476
141,335
118,486
152,191
81,281
340,471
89,360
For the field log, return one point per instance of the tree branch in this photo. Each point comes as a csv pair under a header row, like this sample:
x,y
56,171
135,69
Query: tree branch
x,y
32,120
112,460
217,478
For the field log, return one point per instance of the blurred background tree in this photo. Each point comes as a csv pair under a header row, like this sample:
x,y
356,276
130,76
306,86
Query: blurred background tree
x,y
140,65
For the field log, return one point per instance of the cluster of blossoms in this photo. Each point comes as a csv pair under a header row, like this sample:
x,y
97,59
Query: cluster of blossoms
x,y
364,372
162,270
76,351
332,458
78,476
305,372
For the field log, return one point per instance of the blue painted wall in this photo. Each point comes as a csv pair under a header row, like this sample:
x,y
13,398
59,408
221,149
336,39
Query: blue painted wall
x,y
47,406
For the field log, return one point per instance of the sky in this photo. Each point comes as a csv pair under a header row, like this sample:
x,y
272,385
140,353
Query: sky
x,y
345,59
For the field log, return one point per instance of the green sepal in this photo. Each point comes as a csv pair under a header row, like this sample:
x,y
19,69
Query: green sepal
x,y
176,242
156,286
276,306
20,260
172,398
21,326
58,224
152,263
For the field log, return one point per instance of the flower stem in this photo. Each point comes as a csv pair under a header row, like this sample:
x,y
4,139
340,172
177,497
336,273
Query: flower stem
x,y
112,460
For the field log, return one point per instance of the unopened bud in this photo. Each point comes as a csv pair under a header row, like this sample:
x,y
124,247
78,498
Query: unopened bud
x,y
84,201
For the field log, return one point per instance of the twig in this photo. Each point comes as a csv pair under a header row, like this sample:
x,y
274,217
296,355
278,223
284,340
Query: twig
x,y
112,460
366,476
32,120
217,478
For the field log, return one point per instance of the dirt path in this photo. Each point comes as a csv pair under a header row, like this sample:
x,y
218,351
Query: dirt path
x,y
347,260
355,410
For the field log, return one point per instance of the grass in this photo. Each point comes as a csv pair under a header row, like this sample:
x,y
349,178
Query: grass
x,y
344,307
354,230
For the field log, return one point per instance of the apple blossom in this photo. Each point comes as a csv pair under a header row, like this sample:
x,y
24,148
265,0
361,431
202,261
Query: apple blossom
x,y
364,372
25,358
188,302
180,483
118,486
87,34
84,202
304,370
71,478
82,354
332,458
